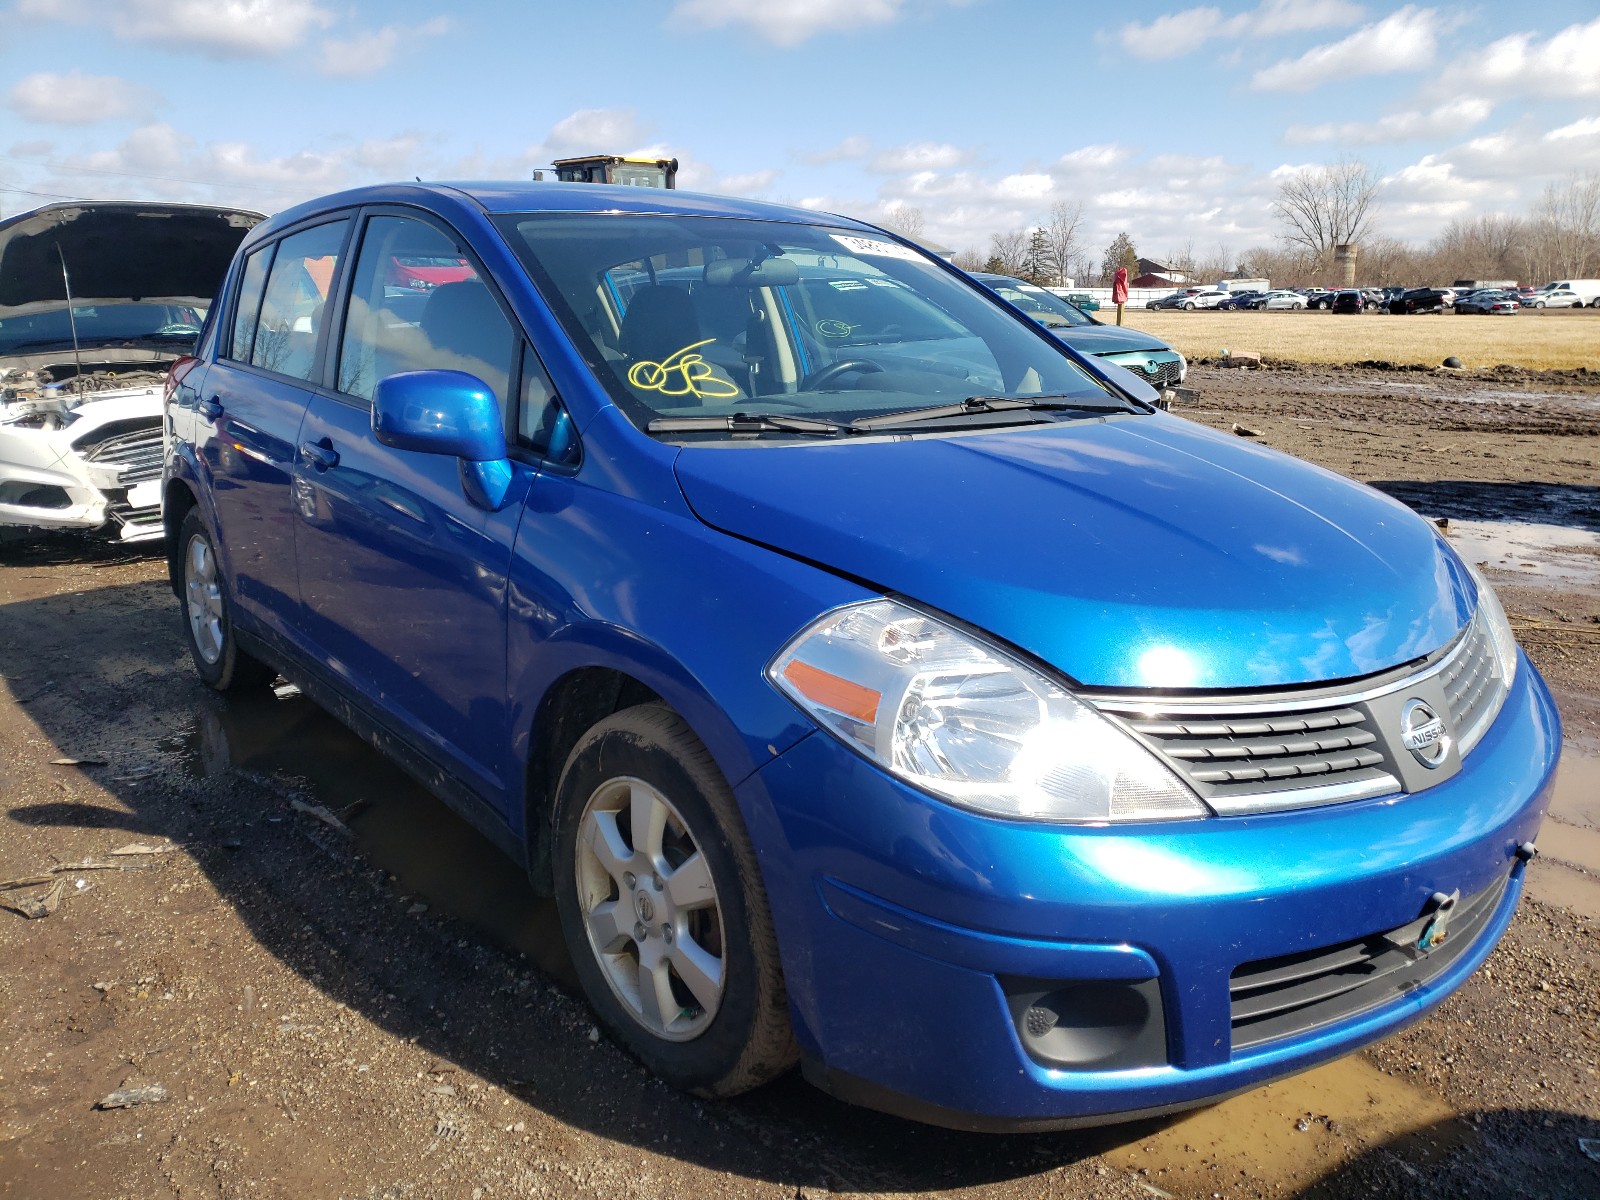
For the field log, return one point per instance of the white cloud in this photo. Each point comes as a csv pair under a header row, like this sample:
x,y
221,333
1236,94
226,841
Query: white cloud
x,y
365,54
1566,65
788,22
369,52
1587,127
751,183
1176,34
221,28
79,99
1403,41
595,131
851,148
1025,186
920,156
1448,120
1094,158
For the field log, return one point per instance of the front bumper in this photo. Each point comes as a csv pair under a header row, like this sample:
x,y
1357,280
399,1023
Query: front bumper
x,y
49,481
907,926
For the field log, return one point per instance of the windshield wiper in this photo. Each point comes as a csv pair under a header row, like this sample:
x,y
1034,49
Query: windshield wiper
x,y
983,405
747,423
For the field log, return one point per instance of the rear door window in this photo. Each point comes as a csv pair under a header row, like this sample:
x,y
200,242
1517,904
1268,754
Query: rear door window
x,y
295,303
249,310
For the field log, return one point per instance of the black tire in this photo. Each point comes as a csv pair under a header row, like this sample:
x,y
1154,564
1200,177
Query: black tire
x,y
745,1040
208,615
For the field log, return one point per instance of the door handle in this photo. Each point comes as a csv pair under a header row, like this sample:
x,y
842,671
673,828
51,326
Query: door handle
x,y
210,409
320,454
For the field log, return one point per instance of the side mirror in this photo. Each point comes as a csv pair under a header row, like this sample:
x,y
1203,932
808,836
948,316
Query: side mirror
x,y
439,412
451,413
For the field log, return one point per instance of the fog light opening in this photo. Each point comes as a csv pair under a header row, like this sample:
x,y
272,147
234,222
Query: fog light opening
x,y
1089,1024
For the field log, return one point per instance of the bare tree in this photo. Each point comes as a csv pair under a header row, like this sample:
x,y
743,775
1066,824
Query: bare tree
x,y
1061,238
1488,247
1181,261
905,220
1324,207
1010,250
1567,218
968,259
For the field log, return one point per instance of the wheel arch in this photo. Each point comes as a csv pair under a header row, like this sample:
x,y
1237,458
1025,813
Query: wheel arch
x,y
176,501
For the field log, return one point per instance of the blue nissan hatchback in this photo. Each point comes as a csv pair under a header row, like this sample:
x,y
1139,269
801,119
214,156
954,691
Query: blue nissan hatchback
x,y
876,682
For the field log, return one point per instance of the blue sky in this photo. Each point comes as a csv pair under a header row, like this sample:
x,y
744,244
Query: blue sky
x,y
1174,122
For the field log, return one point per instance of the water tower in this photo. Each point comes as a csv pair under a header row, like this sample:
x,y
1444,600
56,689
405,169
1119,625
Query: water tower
x,y
1345,255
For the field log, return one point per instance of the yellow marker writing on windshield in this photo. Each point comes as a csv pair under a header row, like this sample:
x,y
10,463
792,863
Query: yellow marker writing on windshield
x,y
681,373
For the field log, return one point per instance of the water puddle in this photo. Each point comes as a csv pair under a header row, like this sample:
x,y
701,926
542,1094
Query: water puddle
x,y
437,858
1554,554
1458,391
1567,871
1577,797
1550,882
1292,1133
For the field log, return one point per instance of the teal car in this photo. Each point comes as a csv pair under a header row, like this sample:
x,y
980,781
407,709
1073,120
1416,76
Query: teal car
x,y
1148,357
1082,300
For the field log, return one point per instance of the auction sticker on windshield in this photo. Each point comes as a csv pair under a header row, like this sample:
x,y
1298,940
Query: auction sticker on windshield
x,y
865,245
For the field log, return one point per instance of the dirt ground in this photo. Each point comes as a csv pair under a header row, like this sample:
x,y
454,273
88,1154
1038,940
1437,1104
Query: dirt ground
x,y
341,991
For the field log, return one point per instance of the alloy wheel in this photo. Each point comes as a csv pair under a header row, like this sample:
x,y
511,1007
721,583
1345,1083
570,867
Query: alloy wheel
x,y
650,909
203,599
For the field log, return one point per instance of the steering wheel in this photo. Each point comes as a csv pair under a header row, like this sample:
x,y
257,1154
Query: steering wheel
x,y
818,380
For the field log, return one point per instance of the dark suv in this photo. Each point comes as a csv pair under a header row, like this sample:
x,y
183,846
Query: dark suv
x,y
1417,300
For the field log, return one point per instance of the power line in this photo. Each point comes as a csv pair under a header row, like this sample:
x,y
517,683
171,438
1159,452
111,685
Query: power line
x,y
6,187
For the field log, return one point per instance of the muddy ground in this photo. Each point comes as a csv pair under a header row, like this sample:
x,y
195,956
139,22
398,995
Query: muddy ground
x,y
344,992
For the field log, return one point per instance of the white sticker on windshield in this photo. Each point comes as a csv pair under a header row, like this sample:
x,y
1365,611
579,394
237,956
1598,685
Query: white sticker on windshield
x,y
872,246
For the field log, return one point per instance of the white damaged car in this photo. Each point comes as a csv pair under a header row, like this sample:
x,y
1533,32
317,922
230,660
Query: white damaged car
x,y
97,300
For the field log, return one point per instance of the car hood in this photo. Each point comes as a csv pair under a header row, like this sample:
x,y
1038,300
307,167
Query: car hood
x,y
1109,339
117,251
1130,552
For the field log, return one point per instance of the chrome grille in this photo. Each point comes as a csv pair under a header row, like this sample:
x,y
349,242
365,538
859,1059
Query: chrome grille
x,y
1166,374
1250,749
1472,687
138,453
1233,756
1157,372
1273,751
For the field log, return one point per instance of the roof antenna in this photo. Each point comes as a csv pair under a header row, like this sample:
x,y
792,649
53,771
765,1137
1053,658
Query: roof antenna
x,y
72,317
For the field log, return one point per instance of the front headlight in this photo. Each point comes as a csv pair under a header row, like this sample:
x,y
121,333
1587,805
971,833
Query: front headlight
x,y
969,723
1493,614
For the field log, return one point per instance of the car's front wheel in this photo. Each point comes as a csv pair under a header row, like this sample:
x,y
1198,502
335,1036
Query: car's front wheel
x,y
663,909
208,614
1189,307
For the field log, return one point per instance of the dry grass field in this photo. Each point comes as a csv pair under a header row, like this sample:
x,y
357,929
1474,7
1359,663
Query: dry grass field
x,y
1551,340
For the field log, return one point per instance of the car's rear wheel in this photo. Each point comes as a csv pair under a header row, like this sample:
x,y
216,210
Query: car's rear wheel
x,y
663,909
208,615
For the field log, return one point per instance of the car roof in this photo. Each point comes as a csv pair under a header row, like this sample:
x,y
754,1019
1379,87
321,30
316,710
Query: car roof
x,y
514,196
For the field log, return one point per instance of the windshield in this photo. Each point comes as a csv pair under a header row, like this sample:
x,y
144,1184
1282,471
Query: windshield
x,y
101,325
708,317
1045,307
